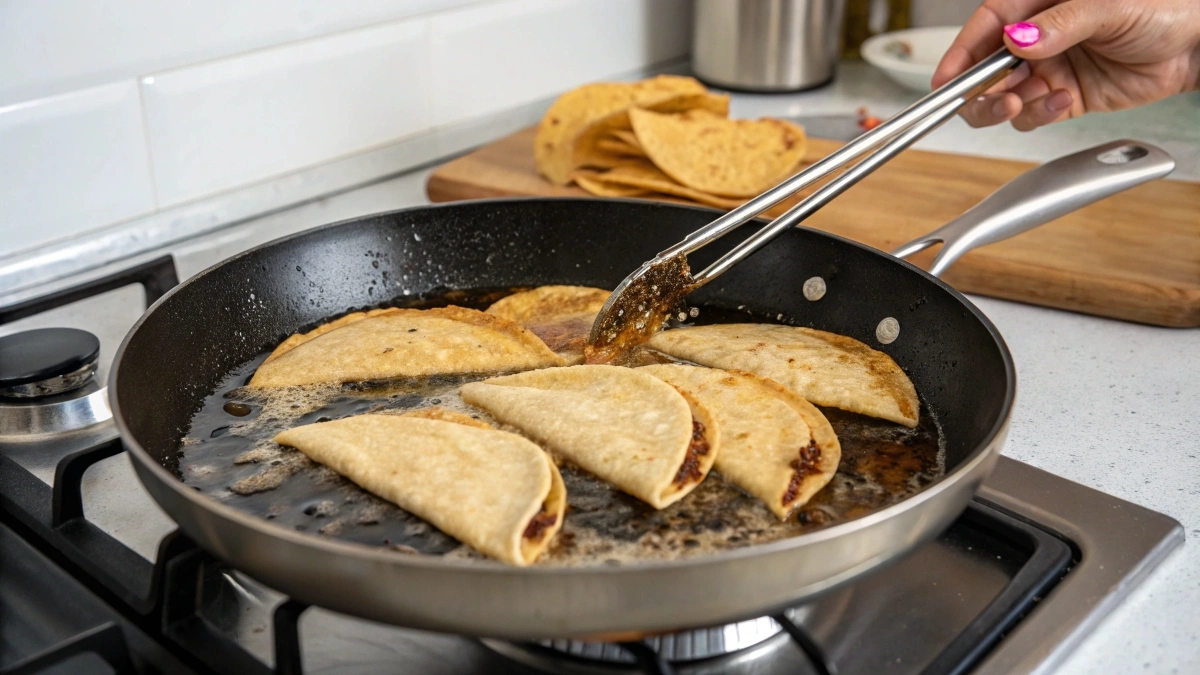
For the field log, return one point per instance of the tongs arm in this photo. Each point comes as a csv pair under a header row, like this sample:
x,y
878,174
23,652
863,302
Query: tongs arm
x,y
616,324
823,196
905,128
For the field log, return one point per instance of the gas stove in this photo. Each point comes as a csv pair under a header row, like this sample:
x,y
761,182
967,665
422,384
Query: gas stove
x,y
97,578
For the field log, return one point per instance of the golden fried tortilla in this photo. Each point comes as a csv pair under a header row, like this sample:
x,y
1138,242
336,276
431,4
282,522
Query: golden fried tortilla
x,y
825,368
554,144
719,156
639,174
619,147
587,151
404,343
629,138
628,428
300,338
774,444
588,180
561,316
444,415
493,490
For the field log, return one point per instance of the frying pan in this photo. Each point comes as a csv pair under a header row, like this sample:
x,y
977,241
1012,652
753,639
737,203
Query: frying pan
x,y
189,340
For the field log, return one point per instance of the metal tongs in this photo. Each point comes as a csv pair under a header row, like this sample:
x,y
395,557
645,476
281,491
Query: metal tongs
x,y
887,140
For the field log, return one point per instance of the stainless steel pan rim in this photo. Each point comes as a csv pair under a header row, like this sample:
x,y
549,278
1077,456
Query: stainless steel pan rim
x,y
183,503
349,548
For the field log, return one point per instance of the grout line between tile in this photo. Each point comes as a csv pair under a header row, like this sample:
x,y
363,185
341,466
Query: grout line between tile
x,y
61,258
430,72
145,120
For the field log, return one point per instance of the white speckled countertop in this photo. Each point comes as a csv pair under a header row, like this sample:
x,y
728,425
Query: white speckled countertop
x,y
1112,405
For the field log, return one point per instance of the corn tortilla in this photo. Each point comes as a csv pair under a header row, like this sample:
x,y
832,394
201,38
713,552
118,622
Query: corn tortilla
x,y
719,156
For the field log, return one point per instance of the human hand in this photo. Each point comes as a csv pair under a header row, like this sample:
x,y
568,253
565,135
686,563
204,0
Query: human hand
x,y
1081,56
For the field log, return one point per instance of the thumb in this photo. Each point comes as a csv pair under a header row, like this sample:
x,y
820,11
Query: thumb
x,y
1055,30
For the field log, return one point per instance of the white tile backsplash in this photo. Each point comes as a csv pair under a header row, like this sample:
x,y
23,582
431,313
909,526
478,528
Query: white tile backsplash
x,y
141,110
51,46
239,120
493,57
71,162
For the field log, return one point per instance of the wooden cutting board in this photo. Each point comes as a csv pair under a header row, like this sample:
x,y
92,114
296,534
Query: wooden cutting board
x,y
1133,256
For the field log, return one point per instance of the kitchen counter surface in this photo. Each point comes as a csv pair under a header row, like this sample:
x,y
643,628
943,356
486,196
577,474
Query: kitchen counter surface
x,y
1108,404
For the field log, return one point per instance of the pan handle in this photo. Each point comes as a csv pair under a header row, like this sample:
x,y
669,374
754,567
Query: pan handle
x,y
1042,194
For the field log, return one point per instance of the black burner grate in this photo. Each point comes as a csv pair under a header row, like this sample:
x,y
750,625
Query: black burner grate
x,y
1038,560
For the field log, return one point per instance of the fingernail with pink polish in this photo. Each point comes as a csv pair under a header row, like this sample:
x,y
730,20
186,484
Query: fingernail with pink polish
x,y
1023,34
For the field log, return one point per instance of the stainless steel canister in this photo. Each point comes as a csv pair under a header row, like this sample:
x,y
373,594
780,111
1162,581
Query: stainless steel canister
x,y
766,45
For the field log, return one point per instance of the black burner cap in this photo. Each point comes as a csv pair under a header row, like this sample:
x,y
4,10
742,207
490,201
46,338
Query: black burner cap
x,y
36,355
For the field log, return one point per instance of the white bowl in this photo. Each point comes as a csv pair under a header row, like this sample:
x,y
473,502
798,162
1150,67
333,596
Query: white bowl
x,y
909,56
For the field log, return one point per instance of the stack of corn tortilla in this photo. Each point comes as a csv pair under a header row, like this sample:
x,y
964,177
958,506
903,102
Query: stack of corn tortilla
x,y
666,136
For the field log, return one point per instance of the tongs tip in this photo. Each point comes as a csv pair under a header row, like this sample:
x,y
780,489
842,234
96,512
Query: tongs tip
x,y
638,307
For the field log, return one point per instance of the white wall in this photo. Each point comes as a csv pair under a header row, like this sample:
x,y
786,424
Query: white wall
x,y
113,110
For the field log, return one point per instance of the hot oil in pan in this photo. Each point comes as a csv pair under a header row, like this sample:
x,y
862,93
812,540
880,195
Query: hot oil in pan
x,y
228,454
